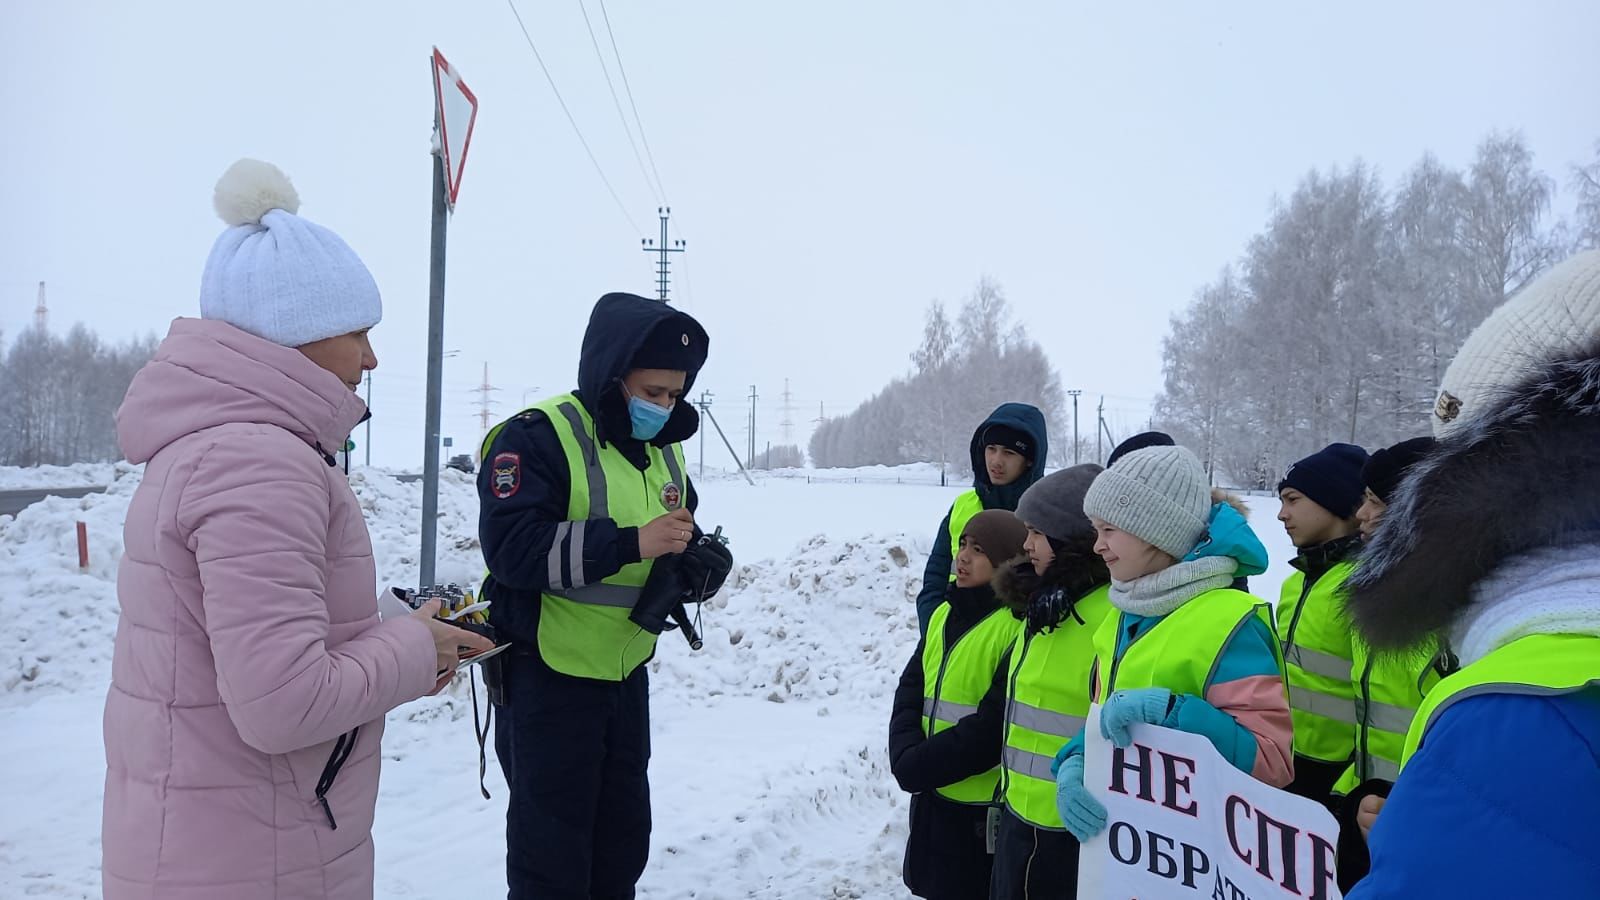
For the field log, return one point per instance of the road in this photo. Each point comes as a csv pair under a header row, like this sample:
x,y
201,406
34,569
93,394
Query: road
x,y
13,502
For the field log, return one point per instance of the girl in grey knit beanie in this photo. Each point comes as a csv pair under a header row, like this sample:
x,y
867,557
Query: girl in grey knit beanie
x,y
1218,672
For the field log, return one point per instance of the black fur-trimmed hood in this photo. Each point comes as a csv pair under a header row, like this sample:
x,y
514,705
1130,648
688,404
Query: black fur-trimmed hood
x,y
1521,475
1076,570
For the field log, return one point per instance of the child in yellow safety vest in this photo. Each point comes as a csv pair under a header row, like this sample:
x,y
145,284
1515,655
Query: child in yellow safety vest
x,y
1318,500
1182,650
954,666
1388,687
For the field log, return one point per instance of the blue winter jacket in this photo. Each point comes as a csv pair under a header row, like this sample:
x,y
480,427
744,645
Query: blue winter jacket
x,y
1503,800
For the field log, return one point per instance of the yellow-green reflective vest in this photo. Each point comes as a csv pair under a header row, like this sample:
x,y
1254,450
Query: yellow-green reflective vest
x,y
954,680
1388,691
584,630
1317,658
1181,652
1047,697
961,512
1539,665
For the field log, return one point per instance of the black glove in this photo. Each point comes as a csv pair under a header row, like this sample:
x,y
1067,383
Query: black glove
x,y
704,566
1049,609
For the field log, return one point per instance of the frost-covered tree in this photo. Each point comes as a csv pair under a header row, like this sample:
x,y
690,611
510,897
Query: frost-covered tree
x,y
961,370
58,396
1347,307
1586,185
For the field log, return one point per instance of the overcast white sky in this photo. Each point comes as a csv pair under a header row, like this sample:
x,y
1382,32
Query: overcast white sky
x,y
834,165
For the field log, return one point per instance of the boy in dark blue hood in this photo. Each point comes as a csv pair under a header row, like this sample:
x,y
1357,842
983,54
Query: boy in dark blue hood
x,y
1008,455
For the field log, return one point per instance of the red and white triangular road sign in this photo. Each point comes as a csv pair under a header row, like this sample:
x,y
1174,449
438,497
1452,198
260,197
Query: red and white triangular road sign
x,y
457,110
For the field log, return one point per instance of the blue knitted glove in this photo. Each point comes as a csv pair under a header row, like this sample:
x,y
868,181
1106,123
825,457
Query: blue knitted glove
x,y
1083,815
1150,706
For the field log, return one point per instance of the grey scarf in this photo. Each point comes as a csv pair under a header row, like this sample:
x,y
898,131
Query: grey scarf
x,y
1162,592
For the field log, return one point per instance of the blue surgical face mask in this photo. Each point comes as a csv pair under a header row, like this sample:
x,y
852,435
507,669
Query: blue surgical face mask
x,y
647,418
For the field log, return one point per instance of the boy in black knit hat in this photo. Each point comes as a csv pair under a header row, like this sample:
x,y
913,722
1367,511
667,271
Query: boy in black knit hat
x,y
1320,495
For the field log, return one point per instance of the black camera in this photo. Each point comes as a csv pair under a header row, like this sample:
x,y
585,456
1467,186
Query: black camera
x,y
680,579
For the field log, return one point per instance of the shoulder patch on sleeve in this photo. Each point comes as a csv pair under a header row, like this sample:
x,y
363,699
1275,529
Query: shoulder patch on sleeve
x,y
506,472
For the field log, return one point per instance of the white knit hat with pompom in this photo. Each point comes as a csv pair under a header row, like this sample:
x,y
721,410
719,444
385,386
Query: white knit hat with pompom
x,y
1558,313
276,275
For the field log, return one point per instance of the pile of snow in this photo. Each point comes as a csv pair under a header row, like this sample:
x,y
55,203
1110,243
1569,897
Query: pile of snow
x,y
60,619
835,622
72,613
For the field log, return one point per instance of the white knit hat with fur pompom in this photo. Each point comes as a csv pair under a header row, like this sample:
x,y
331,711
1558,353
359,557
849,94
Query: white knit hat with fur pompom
x,y
279,276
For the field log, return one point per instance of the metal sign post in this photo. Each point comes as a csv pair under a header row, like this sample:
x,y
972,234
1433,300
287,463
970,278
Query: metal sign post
x,y
455,111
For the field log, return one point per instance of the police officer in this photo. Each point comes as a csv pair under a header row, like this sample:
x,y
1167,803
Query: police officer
x,y
581,495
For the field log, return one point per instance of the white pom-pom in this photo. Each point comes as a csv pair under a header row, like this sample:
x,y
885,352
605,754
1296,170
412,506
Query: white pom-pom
x,y
250,189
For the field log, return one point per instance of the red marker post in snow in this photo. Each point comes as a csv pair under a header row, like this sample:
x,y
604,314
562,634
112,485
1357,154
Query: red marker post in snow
x,y
455,111
83,546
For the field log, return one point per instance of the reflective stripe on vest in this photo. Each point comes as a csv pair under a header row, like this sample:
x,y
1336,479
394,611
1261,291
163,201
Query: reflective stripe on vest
x,y
961,512
584,630
1317,661
1543,665
1388,691
954,680
1035,766
1181,652
1047,697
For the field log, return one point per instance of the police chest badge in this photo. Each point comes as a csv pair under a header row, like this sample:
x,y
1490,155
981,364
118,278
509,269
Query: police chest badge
x,y
671,496
507,474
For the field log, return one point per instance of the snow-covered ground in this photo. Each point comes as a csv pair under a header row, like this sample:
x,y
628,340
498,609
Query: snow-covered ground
x,y
769,768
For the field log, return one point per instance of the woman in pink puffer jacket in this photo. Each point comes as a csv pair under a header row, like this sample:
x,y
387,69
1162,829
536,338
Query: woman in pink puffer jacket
x,y
251,674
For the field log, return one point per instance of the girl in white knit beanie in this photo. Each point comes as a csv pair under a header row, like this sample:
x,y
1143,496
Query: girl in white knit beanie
x,y
1183,650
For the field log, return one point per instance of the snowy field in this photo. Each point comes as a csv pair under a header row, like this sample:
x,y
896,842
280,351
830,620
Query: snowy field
x,y
770,773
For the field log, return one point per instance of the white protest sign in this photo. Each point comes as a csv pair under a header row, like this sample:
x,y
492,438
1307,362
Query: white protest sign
x,y
1184,822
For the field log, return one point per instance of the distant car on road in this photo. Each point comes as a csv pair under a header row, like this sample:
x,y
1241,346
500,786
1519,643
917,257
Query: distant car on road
x,y
461,463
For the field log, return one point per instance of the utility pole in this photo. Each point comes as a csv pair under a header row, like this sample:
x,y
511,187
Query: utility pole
x,y
666,247
1099,451
788,409
729,444
1075,442
704,405
484,402
41,313
752,458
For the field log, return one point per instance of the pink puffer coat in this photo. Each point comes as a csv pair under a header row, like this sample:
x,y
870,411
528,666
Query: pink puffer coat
x,y
249,649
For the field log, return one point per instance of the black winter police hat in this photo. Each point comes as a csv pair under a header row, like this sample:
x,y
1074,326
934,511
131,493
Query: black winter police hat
x,y
672,344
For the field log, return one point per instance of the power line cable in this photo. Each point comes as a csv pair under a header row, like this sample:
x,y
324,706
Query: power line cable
x,y
629,89
617,102
574,122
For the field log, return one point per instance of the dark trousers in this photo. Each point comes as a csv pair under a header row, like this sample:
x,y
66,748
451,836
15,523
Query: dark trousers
x,y
947,853
575,753
1314,780
1033,864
